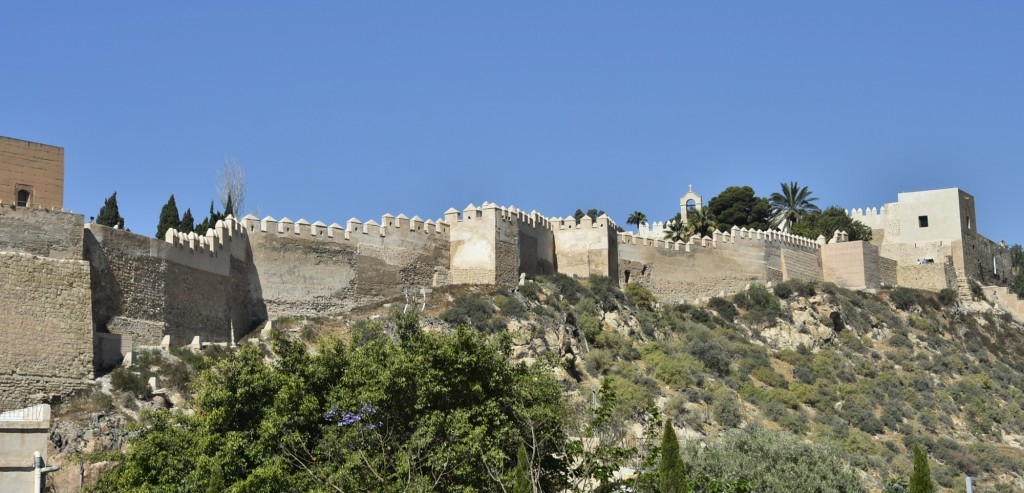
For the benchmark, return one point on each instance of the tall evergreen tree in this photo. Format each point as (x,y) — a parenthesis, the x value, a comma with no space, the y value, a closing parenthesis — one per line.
(921,478)
(168,218)
(521,482)
(229,207)
(187,222)
(109,215)
(671,471)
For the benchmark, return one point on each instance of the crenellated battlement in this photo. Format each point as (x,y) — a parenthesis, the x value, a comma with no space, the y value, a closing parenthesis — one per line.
(602,221)
(727,239)
(354,230)
(217,238)
(872,217)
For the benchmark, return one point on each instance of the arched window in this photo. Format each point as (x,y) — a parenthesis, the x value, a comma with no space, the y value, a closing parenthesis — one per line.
(23,196)
(691,206)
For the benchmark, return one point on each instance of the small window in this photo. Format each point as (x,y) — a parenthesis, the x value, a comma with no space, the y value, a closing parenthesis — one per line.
(23,196)
(968,223)
(922,221)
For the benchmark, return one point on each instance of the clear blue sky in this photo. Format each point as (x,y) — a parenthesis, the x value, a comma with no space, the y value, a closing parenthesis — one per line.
(341,109)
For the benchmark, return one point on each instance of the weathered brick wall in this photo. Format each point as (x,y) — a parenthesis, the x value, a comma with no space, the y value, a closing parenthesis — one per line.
(46,328)
(38,168)
(41,232)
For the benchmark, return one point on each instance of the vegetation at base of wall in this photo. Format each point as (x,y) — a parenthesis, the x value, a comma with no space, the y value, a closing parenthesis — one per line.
(124,380)
(899,368)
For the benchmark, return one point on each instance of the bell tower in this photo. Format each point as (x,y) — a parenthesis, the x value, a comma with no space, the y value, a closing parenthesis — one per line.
(691,202)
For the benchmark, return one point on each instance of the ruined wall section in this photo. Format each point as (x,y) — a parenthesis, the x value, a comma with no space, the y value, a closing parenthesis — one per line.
(300,268)
(46,328)
(981,259)
(704,267)
(586,246)
(42,232)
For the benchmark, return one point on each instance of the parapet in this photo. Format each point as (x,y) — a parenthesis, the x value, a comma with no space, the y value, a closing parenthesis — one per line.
(727,239)
(354,230)
(217,238)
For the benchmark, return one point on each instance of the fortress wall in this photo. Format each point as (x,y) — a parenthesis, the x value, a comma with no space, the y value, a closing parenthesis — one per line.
(888,271)
(299,268)
(42,232)
(536,242)
(705,267)
(799,264)
(913,253)
(852,264)
(46,328)
(183,286)
(931,277)
(473,245)
(981,259)
(586,246)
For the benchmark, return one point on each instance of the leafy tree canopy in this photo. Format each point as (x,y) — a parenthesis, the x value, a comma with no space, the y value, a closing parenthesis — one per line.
(425,412)
(790,205)
(827,222)
(739,206)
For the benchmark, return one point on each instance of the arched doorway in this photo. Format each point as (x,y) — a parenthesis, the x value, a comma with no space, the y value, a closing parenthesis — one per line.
(23,198)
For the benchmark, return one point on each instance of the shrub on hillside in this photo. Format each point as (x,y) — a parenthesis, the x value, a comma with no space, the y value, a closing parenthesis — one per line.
(473,312)
(124,380)
(903,298)
(567,287)
(640,296)
(762,307)
(794,287)
(774,462)
(724,308)
(606,292)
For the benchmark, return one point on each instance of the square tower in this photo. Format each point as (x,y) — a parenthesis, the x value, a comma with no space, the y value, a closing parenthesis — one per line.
(31,174)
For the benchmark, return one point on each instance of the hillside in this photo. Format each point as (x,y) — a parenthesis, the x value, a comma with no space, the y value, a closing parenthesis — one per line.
(864,375)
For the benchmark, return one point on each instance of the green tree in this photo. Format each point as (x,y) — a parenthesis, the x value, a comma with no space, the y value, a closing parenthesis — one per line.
(672,470)
(826,223)
(921,478)
(425,412)
(209,221)
(636,218)
(521,481)
(739,206)
(788,206)
(229,206)
(700,222)
(168,218)
(675,229)
(187,222)
(109,215)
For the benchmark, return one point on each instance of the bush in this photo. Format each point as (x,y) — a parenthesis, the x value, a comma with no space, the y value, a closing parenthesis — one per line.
(123,380)
(640,296)
(977,292)
(530,291)
(726,410)
(787,289)
(724,308)
(567,287)
(607,293)
(903,298)
(774,462)
(715,357)
(511,306)
(473,312)
(762,306)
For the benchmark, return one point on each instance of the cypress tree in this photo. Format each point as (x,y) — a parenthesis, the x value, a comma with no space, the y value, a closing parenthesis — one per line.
(521,482)
(921,479)
(671,471)
(109,215)
(229,207)
(187,222)
(168,218)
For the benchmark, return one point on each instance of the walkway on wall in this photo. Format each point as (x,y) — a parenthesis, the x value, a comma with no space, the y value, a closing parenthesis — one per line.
(1004,299)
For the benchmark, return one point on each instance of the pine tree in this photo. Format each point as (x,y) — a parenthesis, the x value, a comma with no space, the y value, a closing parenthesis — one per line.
(921,479)
(521,482)
(671,471)
(168,218)
(109,215)
(187,222)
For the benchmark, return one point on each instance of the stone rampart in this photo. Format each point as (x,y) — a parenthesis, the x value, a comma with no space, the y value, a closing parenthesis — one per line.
(704,267)
(930,277)
(183,286)
(586,246)
(852,264)
(300,268)
(46,328)
(42,232)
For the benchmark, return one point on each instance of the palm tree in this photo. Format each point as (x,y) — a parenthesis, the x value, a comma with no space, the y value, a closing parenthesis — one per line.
(790,205)
(675,229)
(637,218)
(699,222)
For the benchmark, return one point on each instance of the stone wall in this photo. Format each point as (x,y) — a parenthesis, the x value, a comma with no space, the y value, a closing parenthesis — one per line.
(182,286)
(37,168)
(930,277)
(586,246)
(41,232)
(799,264)
(311,269)
(46,328)
(853,264)
(704,267)
(472,245)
